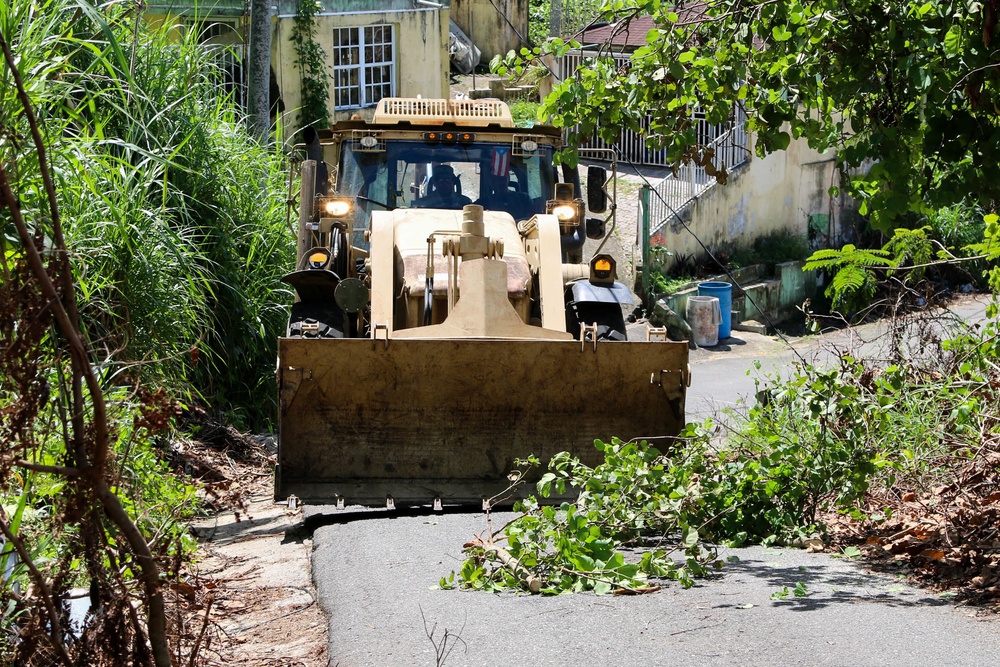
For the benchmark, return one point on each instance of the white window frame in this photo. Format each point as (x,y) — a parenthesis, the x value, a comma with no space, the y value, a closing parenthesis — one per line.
(362,67)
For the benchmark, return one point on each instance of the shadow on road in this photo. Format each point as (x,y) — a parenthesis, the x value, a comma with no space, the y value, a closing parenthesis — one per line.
(826,585)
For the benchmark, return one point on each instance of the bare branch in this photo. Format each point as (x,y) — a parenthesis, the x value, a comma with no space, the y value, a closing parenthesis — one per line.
(55,470)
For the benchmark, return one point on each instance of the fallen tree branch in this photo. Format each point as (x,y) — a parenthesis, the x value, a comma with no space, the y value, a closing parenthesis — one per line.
(532,581)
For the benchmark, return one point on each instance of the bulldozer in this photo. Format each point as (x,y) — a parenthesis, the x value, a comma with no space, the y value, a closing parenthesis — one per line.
(446,325)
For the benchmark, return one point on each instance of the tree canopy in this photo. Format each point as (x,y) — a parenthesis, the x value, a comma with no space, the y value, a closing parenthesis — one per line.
(908,84)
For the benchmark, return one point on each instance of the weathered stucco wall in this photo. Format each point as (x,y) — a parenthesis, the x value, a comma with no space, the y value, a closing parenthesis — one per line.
(774,194)
(421,55)
(486,26)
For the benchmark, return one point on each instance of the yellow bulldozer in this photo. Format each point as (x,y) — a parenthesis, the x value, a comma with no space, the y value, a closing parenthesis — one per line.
(446,324)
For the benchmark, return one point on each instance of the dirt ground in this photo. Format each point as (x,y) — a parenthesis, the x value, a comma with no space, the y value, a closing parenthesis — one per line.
(249,592)
(264,611)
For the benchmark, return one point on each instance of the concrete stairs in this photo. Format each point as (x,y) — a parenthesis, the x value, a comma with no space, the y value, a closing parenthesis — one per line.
(762,295)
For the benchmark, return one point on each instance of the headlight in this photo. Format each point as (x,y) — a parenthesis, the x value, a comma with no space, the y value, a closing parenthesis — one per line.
(565,212)
(337,208)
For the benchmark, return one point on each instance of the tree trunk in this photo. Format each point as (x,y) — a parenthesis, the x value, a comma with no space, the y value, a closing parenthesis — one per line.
(259,69)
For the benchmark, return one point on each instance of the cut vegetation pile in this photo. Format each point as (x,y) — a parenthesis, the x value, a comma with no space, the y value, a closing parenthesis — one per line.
(899,453)
(948,536)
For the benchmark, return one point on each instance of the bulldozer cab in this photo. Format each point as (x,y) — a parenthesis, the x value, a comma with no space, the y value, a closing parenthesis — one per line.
(410,173)
(445,325)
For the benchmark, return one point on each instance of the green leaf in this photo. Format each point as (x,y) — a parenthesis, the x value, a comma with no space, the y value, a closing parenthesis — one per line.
(781,33)
(953,40)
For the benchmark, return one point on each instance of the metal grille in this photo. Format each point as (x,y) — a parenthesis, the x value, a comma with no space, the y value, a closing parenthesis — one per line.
(393,110)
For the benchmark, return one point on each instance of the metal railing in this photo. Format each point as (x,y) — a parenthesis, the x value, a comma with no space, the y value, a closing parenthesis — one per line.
(731,148)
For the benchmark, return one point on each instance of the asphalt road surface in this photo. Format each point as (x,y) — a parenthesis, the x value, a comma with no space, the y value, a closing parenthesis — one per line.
(377,580)
(377,573)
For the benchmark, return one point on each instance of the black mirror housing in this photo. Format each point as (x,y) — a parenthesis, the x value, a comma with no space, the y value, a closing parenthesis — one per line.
(596,228)
(597,198)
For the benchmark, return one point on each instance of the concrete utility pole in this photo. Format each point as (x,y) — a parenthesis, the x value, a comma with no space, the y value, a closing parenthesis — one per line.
(259,69)
(555,18)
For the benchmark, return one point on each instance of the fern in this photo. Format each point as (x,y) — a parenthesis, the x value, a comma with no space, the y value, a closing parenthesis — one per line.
(911,246)
(853,284)
(852,287)
(848,255)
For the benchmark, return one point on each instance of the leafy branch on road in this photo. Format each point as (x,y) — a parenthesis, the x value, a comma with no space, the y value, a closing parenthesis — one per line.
(896,456)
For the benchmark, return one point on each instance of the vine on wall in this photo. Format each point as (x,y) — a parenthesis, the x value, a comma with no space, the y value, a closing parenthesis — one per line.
(312,65)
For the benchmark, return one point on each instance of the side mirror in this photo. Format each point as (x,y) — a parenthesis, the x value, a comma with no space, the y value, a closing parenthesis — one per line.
(596,228)
(597,198)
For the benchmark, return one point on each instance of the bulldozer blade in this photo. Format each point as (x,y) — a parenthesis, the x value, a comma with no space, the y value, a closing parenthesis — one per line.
(417,421)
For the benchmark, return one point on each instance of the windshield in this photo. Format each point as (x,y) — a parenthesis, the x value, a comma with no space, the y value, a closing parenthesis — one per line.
(415,174)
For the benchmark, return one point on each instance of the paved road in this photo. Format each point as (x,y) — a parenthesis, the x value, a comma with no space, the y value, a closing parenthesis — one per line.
(376,576)
(376,579)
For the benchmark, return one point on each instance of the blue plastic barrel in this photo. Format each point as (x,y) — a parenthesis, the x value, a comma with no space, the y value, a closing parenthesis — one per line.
(724,293)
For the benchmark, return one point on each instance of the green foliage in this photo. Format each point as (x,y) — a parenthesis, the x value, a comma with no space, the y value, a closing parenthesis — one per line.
(578,546)
(800,591)
(772,249)
(538,20)
(907,84)
(174,215)
(175,237)
(665,284)
(311,59)
(957,226)
(855,281)
(990,247)
(759,489)
(868,425)
(574,16)
(818,440)
(525,113)
(159,501)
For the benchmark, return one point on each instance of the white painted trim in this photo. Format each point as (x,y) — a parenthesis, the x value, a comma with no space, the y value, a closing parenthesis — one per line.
(377,11)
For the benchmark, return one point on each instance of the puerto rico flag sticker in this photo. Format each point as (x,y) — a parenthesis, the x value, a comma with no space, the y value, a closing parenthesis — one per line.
(500,164)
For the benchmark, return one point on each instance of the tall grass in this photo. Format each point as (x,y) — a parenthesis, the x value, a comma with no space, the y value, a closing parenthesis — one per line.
(174,215)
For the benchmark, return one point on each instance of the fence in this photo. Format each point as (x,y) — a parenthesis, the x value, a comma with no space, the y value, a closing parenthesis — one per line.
(731,147)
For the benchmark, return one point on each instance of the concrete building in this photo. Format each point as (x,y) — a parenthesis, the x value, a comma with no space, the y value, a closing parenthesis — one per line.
(494,26)
(373,48)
